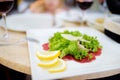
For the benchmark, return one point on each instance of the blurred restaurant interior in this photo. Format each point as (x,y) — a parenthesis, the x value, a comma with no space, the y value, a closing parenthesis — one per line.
(26,24)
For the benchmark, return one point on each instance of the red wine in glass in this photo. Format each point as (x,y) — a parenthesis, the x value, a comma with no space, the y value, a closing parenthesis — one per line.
(85,4)
(6,5)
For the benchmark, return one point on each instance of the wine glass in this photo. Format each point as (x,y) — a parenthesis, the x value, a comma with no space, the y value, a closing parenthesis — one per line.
(5,7)
(84,5)
(70,4)
(104,7)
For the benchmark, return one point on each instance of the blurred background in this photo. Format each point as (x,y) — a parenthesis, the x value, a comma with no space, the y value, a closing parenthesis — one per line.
(29,14)
(62,13)
(40,6)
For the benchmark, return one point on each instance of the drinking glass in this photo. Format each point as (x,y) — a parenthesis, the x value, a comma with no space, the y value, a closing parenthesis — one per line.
(70,4)
(103,5)
(5,7)
(84,5)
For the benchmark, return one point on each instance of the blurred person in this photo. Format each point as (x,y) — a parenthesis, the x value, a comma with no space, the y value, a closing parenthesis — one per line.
(52,6)
(37,6)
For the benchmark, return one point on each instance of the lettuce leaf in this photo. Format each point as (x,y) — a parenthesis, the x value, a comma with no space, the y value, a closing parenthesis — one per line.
(67,47)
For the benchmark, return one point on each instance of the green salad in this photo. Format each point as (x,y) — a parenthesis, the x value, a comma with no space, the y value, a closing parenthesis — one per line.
(74,43)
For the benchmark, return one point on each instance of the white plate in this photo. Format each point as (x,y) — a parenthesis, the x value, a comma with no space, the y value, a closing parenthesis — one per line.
(108,60)
(23,22)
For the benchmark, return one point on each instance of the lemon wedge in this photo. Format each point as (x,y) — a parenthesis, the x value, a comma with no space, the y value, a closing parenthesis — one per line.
(59,67)
(48,63)
(48,55)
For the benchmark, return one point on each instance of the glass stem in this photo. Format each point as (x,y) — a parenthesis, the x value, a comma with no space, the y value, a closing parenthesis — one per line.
(5,35)
(83,16)
(54,19)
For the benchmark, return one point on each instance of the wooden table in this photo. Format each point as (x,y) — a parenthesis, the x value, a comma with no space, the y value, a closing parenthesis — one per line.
(16,57)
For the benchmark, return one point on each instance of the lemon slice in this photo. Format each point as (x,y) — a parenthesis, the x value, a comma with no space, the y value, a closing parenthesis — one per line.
(59,67)
(48,55)
(48,63)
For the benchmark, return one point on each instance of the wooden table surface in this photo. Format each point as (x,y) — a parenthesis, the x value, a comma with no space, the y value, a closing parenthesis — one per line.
(16,57)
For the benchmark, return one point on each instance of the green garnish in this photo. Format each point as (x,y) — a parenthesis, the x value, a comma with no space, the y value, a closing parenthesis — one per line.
(78,46)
